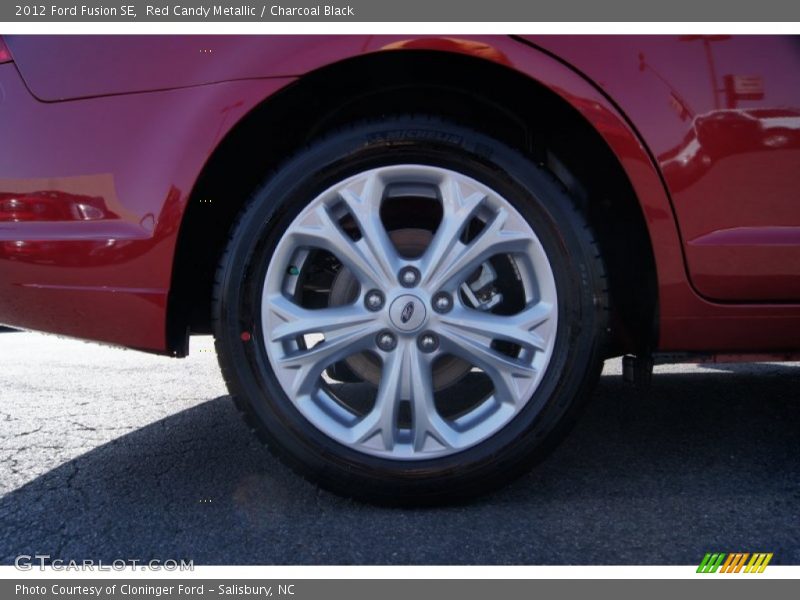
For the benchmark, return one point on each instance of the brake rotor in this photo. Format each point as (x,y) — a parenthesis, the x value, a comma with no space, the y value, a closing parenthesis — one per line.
(411,243)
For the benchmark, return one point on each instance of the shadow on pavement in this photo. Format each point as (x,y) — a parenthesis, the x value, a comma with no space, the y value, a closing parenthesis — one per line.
(703,462)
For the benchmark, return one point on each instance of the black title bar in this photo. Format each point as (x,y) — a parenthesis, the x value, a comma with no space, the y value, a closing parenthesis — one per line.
(440,11)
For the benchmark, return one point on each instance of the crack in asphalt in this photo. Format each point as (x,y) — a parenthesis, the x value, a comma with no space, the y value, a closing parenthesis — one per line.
(128,455)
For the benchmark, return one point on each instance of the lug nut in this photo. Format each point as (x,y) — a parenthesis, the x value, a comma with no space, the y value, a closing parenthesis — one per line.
(374,300)
(386,341)
(428,342)
(442,302)
(409,276)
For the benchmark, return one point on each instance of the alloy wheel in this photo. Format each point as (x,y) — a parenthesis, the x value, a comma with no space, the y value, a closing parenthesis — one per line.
(403,341)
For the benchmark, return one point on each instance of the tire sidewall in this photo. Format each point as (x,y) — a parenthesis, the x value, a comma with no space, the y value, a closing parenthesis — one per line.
(529,188)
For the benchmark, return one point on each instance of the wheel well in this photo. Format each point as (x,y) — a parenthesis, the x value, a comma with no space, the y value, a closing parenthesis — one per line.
(506,105)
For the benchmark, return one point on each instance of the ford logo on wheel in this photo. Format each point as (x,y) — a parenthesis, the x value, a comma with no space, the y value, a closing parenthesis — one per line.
(408,312)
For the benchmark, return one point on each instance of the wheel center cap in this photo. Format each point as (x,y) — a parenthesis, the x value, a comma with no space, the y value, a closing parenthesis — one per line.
(407,312)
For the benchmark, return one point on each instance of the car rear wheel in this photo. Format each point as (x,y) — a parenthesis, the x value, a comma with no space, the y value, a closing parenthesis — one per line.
(410,311)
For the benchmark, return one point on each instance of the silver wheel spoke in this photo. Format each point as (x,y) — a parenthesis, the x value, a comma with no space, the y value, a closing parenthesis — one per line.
(346,330)
(347,341)
(407,376)
(294,320)
(519,328)
(497,237)
(320,230)
(427,424)
(375,244)
(382,419)
(457,213)
(474,346)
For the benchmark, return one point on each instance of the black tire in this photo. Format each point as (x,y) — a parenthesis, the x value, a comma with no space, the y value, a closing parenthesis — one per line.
(570,375)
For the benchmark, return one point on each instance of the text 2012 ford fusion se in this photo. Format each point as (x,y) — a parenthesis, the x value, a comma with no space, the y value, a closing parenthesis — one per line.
(414,252)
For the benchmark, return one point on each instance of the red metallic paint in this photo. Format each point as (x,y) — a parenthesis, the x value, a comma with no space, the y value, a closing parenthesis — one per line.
(721,114)
(5,55)
(107,279)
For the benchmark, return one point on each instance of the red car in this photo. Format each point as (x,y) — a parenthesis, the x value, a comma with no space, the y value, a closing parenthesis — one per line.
(414,252)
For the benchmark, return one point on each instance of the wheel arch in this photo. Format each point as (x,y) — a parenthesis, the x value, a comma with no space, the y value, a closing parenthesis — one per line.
(528,99)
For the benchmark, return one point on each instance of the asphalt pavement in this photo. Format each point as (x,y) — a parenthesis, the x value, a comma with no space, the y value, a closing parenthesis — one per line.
(113,454)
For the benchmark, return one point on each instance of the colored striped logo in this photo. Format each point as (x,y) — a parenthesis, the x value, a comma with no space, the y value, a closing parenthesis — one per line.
(734,562)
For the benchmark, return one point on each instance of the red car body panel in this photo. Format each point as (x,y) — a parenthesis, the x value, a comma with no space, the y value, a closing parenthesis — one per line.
(104,275)
(721,115)
(119,129)
(105,65)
